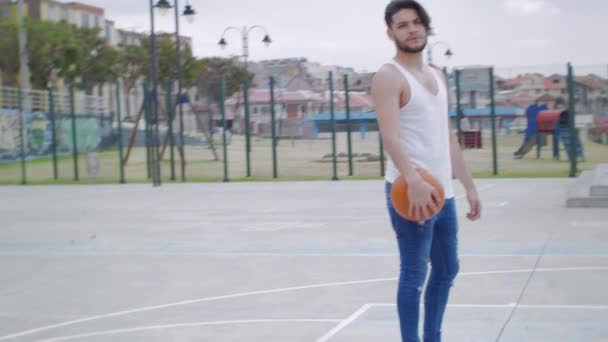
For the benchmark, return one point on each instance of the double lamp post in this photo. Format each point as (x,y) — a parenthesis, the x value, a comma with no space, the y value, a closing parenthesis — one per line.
(164,6)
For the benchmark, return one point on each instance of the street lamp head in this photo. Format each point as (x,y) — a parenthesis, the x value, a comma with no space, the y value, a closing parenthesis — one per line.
(222,43)
(267,40)
(163,7)
(449,53)
(189,13)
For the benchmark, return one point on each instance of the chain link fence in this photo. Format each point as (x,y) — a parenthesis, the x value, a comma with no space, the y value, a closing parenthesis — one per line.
(534,121)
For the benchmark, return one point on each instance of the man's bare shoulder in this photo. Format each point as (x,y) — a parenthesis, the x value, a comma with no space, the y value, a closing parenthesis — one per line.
(387,72)
(387,76)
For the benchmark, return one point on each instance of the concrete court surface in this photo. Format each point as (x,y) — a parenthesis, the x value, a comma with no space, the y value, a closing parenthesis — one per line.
(287,261)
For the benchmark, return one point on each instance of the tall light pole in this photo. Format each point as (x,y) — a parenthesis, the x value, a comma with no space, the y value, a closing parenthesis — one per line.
(448,52)
(153,98)
(23,56)
(245,31)
(24,84)
(189,12)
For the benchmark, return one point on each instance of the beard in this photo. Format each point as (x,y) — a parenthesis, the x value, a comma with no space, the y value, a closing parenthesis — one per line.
(410,49)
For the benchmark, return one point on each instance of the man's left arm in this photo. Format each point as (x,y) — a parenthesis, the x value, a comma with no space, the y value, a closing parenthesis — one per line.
(462,173)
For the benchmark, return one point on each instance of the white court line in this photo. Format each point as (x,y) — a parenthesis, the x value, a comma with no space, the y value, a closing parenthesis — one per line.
(341,326)
(376,255)
(370,255)
(344,323)
(328,255)
(532,255)
(589,224)
(288,289)
(502,204)
(575,307)
(183,325)
(366,307)
(383,255)
(186,302)
(511,305)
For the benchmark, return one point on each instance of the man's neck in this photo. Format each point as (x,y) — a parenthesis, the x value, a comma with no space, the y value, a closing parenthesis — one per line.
(412,61)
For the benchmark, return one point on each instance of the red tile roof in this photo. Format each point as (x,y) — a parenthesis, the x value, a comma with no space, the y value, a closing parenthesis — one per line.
(549,84)
(356,100)
(263,96)
(519,80)
(86,8)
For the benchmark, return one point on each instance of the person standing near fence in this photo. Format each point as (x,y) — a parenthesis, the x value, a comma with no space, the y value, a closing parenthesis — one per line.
(412,107)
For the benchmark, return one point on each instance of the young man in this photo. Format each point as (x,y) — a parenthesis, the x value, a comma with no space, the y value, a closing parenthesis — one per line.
(412,106)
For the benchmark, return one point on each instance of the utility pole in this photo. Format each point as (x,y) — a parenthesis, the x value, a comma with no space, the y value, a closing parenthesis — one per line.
(24,69)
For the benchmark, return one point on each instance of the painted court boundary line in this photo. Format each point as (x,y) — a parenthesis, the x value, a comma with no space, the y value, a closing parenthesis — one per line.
(182,325)
(280,290)
(324,255)
(343,324)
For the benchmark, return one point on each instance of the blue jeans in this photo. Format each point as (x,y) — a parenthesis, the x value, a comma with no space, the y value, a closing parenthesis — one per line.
(435,241)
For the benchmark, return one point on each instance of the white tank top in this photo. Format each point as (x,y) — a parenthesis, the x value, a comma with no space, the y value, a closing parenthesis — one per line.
(424,131)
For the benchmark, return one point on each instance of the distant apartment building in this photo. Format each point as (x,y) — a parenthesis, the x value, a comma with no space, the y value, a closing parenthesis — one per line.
(536,85)
(185,42)
(75,13)
(299,74)
(289,105)
(291,109)
(83,15)
(288,73)
(591,91)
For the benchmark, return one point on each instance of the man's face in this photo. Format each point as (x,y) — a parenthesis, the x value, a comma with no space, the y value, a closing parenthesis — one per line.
(408,31)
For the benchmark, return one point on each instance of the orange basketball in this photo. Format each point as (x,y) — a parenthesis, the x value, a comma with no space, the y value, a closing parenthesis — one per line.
(401,201)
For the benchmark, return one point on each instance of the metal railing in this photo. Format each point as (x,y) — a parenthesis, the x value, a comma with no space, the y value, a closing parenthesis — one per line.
(39,101)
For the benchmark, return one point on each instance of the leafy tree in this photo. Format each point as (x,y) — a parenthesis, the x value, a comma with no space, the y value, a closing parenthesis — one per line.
(167,59)
(58,50)
(209,72)
(89,61)
(9,58)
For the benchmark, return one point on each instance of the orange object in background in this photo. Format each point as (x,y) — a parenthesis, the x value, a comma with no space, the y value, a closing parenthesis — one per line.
(401,201)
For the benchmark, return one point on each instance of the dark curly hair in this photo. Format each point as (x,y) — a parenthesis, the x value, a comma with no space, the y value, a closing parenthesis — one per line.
(397,5)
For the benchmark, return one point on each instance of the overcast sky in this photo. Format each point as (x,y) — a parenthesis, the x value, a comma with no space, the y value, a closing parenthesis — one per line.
(505,33)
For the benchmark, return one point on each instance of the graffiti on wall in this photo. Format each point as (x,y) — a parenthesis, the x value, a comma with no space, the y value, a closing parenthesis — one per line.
(91,132)
(9,134)
(88,134)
